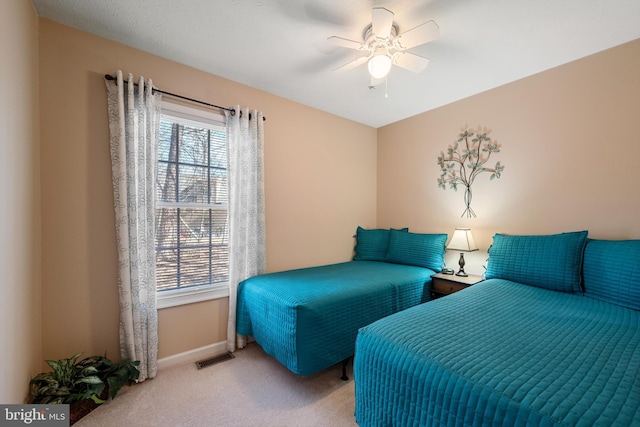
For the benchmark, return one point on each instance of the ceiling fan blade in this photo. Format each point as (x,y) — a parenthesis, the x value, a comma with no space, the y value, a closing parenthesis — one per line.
(381,22)
(342,42)
(421,34)
(410,62)
(353,64)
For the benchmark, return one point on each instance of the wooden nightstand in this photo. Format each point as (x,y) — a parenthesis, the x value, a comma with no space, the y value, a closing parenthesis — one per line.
(445,284)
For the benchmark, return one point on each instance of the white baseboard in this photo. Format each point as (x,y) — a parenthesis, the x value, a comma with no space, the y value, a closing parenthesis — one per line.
(193,355)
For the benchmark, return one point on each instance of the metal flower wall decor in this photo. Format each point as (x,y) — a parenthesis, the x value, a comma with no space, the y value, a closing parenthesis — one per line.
(465,160)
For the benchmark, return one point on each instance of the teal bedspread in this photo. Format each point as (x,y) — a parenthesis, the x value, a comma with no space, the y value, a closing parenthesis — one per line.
(308,318)
(501,354)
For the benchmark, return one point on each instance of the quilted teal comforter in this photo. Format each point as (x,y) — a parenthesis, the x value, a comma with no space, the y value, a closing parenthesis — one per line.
(501,354)
(308,318)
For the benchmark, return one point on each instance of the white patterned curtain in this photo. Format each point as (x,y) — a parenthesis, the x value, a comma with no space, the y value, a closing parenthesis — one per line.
(247,247)
(133,125)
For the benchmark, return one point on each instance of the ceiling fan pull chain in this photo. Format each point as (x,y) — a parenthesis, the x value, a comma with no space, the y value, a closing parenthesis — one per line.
(386,87)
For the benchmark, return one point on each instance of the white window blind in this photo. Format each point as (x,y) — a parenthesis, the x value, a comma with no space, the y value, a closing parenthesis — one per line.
(192,227)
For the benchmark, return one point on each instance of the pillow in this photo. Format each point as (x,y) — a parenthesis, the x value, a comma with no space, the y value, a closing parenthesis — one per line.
(422,250)
(371,245)
(549,261)
(612,271)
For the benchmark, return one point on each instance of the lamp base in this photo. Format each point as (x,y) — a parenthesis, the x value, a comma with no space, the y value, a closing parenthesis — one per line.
(461,263)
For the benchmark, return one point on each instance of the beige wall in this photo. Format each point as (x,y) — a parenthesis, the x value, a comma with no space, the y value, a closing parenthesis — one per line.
(320,185)
(20,319)
(570,147)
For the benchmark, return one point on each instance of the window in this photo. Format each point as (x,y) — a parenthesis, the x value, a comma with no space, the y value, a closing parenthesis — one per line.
(192,227)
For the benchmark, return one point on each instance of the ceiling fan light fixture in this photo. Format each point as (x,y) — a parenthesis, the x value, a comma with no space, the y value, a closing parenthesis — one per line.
(383,47)
(379,65)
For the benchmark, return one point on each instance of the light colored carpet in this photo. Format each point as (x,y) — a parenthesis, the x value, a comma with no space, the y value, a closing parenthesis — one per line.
(251,390)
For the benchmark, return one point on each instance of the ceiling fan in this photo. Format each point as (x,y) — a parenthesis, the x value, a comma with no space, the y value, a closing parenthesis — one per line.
(383,47)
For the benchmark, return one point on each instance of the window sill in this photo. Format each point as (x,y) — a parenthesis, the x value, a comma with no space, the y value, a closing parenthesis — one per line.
(191,295)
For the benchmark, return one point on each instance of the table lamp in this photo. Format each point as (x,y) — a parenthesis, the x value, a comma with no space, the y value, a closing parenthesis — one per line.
(462,240)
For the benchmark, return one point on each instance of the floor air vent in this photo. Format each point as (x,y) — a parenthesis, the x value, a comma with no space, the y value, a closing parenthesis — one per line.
(213,360)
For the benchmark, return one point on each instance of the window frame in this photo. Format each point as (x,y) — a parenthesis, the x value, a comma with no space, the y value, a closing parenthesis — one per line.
(196,117)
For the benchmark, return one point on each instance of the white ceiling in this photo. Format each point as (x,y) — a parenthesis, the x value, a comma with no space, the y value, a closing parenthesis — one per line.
(280,46)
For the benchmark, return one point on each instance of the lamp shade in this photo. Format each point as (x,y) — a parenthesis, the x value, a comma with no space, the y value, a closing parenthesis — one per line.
(462,240)
(379,66)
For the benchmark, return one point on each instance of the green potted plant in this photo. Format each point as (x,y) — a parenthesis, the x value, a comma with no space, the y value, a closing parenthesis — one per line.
(83,384)
(113,374)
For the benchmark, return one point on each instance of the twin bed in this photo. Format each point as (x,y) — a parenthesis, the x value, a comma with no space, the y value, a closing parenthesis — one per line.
(308,318)
(527,347)
(551,338)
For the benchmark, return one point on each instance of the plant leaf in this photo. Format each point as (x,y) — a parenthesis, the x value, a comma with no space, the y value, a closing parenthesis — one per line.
(97,400)
(89,370)
(93,379)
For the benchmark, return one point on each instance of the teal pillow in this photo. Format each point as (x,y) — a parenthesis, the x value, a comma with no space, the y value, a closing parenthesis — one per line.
(547,261)
(612,271)
(372,245)
(422,250)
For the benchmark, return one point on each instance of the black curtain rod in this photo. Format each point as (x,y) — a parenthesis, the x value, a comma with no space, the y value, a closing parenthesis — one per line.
(155,89)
